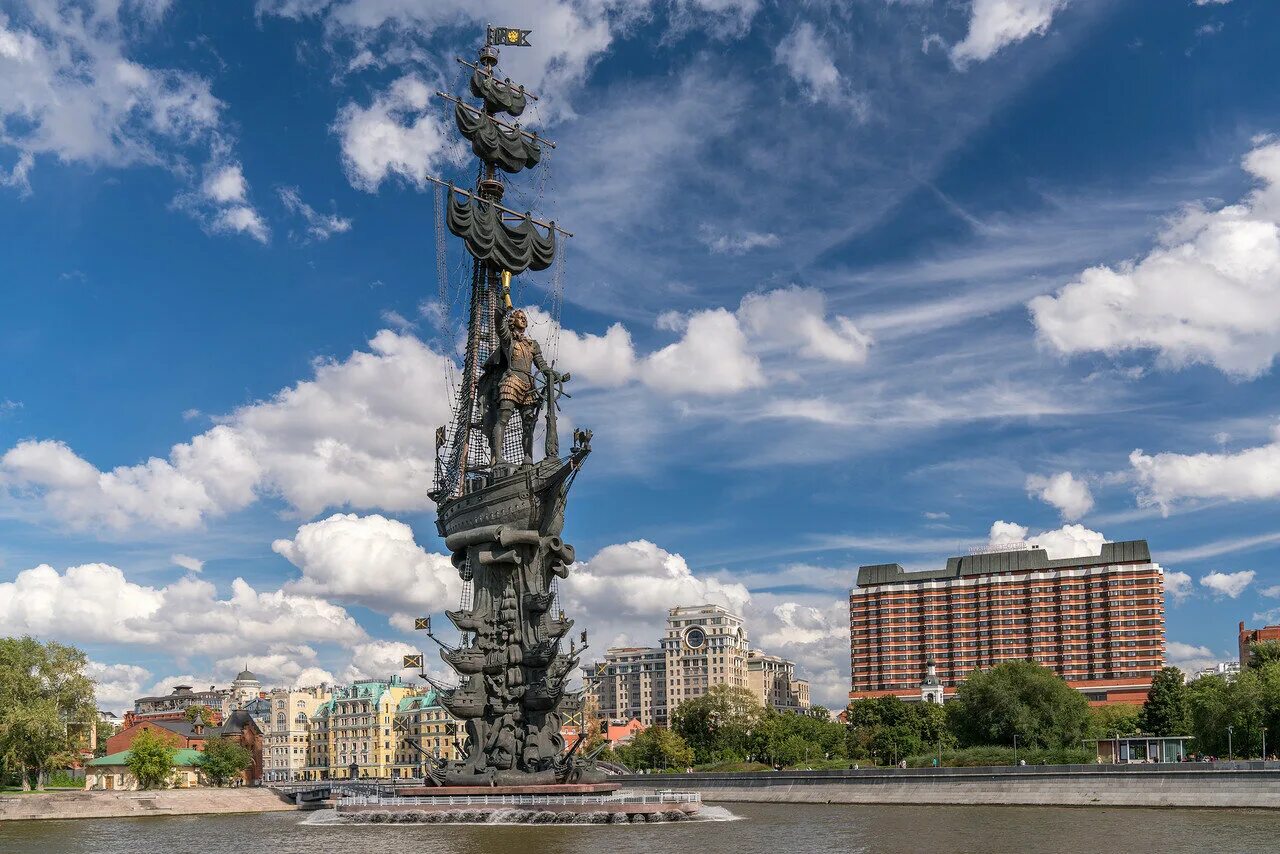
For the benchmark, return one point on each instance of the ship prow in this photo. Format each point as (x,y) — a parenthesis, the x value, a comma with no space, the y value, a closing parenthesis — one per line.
(530,497)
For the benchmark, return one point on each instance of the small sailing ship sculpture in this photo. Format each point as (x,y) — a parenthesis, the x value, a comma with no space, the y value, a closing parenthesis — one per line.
(500,511)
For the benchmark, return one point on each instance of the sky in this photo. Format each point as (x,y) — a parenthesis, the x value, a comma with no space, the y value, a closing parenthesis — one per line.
(850,283)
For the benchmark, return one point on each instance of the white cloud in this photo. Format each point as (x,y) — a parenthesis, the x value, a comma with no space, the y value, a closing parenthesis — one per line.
(319,226)
(607,360)
(1177,585)
(284,665)
(72,92)
(116,685)
(1063,491)
(1209,293)
(381,659)
(723,243)
(96,603)
(1188,657)
(1230,584)
(795,320)
(711,358)
(371,561)
(995,24)
(225,184)
(187,562)
(350,436)
(807,57)
(1165,479)
(570,35)
(1065,542)
(623,592)
(1273,591)
(398,134)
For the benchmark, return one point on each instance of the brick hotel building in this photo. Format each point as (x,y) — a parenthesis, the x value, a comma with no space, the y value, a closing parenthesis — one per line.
(1097,621)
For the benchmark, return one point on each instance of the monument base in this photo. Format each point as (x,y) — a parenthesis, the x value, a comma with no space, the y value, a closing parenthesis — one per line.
(590,803)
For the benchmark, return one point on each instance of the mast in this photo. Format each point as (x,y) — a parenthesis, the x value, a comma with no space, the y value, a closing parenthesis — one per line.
(502,243)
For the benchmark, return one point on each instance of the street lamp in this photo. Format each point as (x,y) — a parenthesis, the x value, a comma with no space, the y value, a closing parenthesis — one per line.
(1229,731)
(1015,748)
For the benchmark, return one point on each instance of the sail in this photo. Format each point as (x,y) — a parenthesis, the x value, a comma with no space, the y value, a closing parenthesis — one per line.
(509,150)
(510,247)
(498,97)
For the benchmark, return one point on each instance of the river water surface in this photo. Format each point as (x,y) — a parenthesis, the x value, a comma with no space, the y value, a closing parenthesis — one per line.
(748,829)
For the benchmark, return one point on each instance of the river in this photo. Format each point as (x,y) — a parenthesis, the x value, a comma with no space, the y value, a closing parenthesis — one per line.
(748,829)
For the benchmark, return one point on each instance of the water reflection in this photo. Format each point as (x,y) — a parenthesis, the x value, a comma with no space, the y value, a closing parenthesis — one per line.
(766,829)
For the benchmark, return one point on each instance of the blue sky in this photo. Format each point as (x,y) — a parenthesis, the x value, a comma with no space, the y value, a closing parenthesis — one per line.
(850,283)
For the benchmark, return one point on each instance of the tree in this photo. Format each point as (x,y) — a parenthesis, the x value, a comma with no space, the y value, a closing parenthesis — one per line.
(1118,719)
(46,706)
(1263,652)
(886,729)
(151,760)
(656,748)
(199,714)
(1019,698)
(719,724)
(786,738)
(1166,711)
(223,759)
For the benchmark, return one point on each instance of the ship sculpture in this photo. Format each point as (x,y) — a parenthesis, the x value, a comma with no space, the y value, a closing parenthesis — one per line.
(500,510)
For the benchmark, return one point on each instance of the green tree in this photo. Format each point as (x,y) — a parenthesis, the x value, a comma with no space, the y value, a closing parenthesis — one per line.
(1019,698)
(199,714)
(1263,652)
(886,729)
(46,706)
(223,759)
(151,760)
(656,748)
(719,725)
(1121,718)
(1166,711)
(783,738)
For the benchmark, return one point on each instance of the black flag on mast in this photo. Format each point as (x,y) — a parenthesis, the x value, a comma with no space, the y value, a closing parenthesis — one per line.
(509,37)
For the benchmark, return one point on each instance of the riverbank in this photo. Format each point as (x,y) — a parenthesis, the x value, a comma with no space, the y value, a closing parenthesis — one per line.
(94,804)
(1226,785)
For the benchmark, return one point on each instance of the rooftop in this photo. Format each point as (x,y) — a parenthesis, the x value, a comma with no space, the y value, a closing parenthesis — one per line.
(1030,560)
(183,757)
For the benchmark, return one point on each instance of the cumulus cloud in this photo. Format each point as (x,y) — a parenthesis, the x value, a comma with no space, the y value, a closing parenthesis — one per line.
(1229,584)
(807,57)
(398,134)
(283,665)
(607,360)
(1188,657)
(1063,491)
(371,561)
(1065,542)
(350,436)
(1208,294)
(1177,585)
(1167,478)
(711,358)
(115,686)
(720,352)
(995,24)
(73,92)
(96,603)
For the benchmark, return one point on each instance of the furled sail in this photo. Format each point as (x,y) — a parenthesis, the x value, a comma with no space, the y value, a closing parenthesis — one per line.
(499,97)
(509,150)
(516,248)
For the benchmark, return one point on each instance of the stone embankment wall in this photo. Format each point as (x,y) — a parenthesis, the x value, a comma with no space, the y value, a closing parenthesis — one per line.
(1224,785)
(47,805)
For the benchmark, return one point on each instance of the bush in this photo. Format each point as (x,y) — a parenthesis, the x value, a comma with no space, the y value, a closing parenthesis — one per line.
(972,757)
(65,780)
